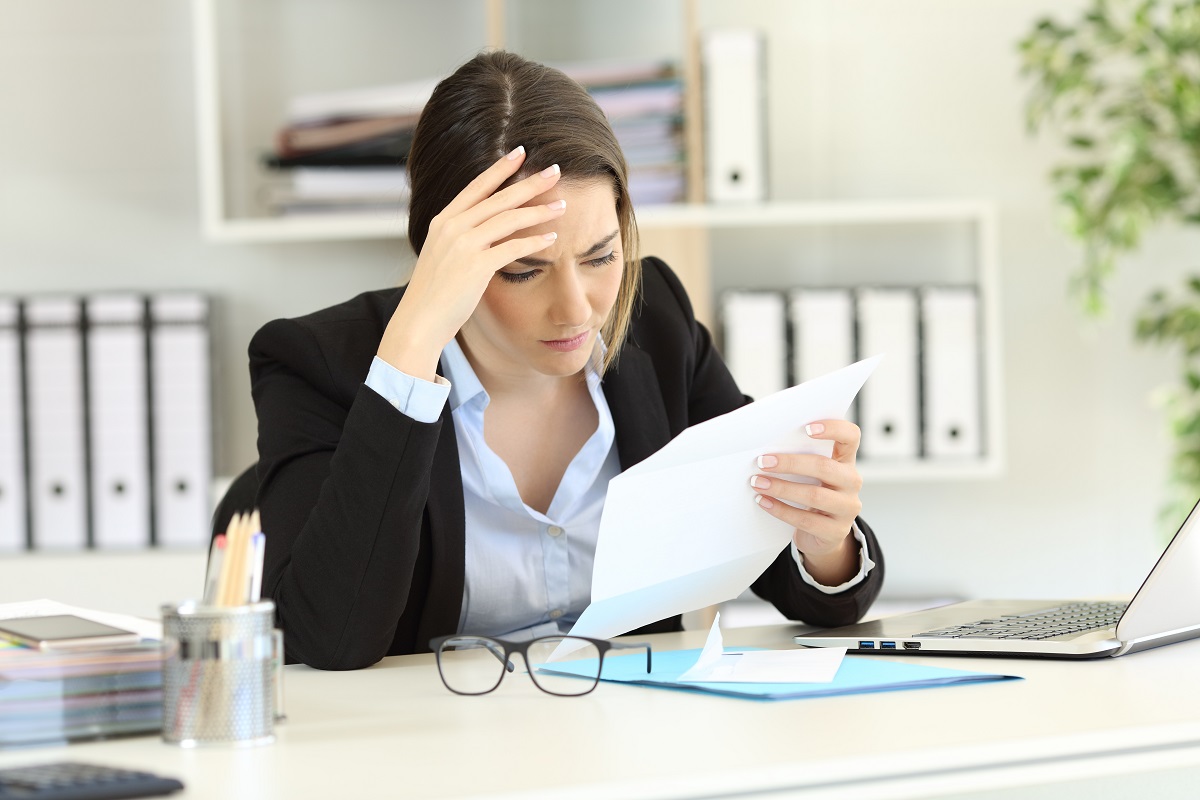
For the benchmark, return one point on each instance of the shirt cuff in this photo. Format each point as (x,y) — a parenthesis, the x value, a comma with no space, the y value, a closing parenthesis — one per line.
(864,560)
(413,397)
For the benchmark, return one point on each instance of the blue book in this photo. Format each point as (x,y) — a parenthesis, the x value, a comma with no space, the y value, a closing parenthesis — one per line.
(857,675)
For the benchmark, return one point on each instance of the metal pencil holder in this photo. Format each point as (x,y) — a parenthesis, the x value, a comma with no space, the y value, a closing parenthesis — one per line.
(220,673)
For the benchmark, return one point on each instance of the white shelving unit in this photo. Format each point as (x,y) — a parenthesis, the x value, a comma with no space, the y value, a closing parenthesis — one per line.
(683,234)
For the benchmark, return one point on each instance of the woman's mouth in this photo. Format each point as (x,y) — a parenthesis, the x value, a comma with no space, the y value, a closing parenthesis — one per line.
(566,345)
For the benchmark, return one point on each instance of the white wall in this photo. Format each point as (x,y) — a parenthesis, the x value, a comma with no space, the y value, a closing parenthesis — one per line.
(923,99)
(870,99)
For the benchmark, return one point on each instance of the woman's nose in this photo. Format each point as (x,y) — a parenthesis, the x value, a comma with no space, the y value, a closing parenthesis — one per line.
(571,307)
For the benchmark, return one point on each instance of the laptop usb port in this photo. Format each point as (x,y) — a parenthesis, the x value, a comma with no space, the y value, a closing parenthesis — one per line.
(866,645)
(887,645)
(912,645)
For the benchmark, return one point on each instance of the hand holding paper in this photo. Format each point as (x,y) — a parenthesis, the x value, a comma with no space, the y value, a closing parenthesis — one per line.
(708,542)
(823,510)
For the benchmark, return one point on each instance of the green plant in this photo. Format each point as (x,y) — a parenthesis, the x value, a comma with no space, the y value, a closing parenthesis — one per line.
(1122,84)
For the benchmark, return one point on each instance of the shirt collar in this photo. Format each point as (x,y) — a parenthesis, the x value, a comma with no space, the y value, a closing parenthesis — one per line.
(464,383)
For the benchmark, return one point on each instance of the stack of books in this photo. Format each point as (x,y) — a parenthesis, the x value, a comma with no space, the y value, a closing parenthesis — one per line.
(643,101)
(51,698)
(345,152)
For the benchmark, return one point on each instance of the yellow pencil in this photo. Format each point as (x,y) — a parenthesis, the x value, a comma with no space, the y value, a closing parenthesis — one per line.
(233,551)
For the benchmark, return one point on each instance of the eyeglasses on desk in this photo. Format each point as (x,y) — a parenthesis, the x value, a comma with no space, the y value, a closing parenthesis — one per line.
(474,665)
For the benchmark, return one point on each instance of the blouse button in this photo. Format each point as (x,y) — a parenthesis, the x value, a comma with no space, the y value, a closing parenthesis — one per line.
(555,531)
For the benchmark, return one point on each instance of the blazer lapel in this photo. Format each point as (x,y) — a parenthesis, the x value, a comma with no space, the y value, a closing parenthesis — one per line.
(635,400)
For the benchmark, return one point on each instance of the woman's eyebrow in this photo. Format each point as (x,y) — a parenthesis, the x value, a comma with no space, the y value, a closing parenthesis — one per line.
(591,251)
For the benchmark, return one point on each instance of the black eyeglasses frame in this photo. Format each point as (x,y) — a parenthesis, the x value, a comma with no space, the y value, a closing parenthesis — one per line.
(510,647)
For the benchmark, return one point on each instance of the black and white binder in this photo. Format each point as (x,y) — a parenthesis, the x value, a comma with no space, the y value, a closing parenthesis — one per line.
(952,405)
(822,331)
(888,404)
(12,431)
(181,413)
(754,325)
(732,72)
(118,416)
(55,394)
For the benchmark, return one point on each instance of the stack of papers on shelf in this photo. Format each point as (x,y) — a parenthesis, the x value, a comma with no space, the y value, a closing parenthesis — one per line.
(57,697)
(344,152)
(643,101)
(339,190)
(362,136)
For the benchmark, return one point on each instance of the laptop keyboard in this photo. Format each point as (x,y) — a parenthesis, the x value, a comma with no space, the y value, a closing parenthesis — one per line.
(1047,623)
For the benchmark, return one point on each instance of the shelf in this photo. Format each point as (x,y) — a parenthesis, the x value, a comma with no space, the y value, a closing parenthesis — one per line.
(242,74)
(307,229)
(654,217)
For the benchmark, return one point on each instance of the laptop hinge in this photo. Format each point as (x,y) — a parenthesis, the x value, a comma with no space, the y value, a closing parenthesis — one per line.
(1157,640)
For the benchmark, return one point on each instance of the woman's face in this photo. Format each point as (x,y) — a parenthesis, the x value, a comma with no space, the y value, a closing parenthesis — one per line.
(541,315)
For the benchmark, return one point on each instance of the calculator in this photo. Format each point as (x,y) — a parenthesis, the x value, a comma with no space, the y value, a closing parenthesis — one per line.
(72,780)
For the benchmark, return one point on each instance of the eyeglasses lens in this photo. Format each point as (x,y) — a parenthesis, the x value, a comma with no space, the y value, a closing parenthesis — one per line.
(579,657)
(471,665)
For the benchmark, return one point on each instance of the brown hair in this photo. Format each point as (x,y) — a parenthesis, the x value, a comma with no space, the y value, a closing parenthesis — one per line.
(490,105)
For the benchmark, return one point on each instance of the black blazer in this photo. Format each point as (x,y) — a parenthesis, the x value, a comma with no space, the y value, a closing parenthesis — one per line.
(364,505)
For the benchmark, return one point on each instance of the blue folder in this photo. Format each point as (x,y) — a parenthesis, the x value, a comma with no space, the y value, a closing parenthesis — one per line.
(857,675)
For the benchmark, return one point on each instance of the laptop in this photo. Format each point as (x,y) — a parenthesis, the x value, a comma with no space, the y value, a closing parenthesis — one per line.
(1166,609)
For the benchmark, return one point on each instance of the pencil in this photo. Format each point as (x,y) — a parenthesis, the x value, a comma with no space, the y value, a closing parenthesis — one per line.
(222,577)
(233,550)
(237,581)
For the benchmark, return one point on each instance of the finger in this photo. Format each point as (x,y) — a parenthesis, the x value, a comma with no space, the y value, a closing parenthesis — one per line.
(509,251)
(486,183)
(828,471)
(511,197)
(845,435)
(507,223)
(827,530)
(843,505)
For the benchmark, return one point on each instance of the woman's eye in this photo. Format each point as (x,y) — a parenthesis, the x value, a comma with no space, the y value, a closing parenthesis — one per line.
(604,260)
(517,277)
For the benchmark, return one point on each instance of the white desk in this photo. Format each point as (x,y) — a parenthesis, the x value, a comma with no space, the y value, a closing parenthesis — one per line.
(394,731)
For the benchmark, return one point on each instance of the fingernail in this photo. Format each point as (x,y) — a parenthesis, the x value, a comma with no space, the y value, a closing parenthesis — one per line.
(516,153)
(814,428)
(759,482)
(763,500)
(550,237)
(766,462)
(550,171)
(557,204)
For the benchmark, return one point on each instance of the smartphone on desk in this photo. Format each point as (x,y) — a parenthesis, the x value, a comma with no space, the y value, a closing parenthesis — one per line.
(64,632)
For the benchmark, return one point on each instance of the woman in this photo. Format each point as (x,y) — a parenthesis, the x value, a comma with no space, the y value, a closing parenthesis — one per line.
(433,459)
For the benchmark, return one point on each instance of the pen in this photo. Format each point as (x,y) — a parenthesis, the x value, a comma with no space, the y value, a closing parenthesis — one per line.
(257,551)
(258,547)
(239,580)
